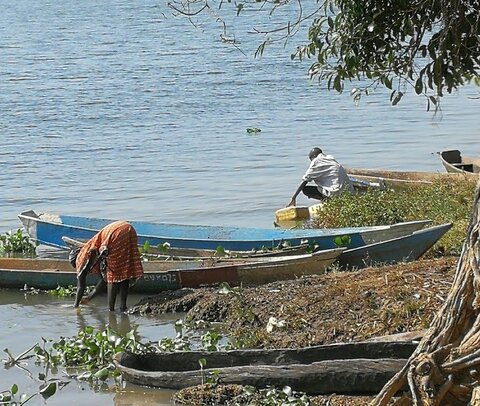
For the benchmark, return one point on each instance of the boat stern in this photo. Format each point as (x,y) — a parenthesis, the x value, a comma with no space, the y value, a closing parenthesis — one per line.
(29,222)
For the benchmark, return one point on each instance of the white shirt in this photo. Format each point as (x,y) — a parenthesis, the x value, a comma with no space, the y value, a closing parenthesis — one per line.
(328,174)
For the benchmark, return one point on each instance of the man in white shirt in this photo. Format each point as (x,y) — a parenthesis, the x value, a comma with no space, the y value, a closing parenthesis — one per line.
(330,177)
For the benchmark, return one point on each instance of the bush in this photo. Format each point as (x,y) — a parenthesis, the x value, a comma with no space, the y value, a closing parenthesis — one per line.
(16,243)
(444,201)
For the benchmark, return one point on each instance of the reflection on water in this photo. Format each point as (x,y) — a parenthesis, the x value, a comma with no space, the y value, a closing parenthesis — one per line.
(132,395)
(27,318)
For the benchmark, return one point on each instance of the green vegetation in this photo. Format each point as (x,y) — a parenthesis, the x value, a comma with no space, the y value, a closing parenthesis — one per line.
(47,388)
(236,395)
(8,397)
(69,291)
(429,47)
(16,243)
(91,352)
(88,356)
(443,201)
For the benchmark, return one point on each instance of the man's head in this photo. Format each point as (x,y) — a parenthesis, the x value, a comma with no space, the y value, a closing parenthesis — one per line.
(314,152)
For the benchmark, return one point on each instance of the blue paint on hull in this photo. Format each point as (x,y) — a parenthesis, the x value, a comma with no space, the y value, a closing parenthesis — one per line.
(189,236)
(408,248)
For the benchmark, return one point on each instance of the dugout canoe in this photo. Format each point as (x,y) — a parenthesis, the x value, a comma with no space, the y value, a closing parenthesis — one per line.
(400,179)
(49,229)
(158,276)
(402,249)
(455,162)
(360,368)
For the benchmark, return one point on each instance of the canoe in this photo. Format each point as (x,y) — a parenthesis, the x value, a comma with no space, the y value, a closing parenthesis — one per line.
(407,176)
(171,275)
(402,249)
(455,162)
(362,367)
(49,229)
(193,253)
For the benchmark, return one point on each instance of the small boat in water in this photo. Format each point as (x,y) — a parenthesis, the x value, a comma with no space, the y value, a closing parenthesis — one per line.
(49,229)
(360,368)
(171,275)
(455,162)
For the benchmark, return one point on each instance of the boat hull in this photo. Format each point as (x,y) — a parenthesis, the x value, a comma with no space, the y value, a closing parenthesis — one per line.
(400,177)
(454,162)
(341,368)
(402,249)
(171,275)
(49,229)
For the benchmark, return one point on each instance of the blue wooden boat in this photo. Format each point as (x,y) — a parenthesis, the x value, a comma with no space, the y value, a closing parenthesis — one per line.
(160,275)
(401,249)
(49,229)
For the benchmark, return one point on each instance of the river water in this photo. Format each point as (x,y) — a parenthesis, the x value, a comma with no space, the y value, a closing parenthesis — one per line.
(117,109)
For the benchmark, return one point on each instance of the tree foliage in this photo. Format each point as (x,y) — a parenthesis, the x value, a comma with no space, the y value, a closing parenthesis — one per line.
(430,46)
(433,46)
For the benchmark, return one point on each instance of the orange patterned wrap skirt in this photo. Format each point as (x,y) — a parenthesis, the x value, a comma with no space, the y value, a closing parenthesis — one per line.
(123,259)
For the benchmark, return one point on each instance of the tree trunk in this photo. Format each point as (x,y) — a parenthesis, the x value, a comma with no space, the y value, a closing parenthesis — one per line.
(445,367)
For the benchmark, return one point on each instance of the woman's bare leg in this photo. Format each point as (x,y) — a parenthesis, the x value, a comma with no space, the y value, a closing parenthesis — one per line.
(123,288)
(112,289)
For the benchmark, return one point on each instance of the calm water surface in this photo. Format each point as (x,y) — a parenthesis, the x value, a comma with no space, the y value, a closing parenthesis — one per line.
(116,109)
(27,318)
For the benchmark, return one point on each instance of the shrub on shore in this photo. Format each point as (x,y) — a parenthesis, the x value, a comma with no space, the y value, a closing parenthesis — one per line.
(443,201)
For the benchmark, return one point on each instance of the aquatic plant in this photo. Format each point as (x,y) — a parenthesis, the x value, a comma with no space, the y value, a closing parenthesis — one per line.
(7,397)
(48,386)
(237,395)
(16,243)
(90,352)
(68,291)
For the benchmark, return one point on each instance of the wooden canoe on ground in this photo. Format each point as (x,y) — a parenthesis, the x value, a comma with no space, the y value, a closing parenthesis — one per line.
(49,229)
(455,162)
(362,367)
(402,249)
(170,275)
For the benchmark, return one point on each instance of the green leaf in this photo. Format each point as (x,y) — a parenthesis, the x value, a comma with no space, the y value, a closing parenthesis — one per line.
(220,251)
(418,86)
(101,374)
(330,22)
(342,240)
(48,390)
(146,246)
(202,362)
(387,82)
(392,95)
(397,98)
(337,85)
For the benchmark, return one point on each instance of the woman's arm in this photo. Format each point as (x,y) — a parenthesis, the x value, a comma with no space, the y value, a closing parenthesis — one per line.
(99,288)
(82,277)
